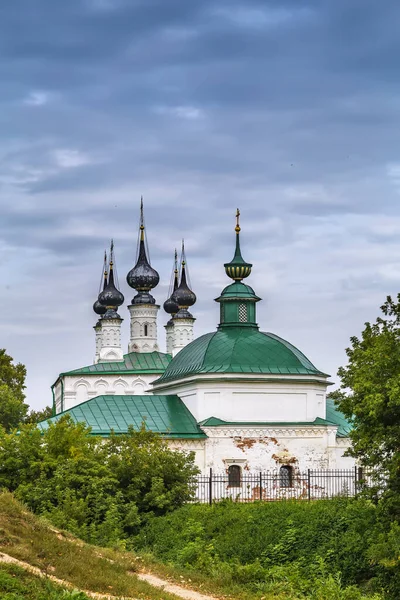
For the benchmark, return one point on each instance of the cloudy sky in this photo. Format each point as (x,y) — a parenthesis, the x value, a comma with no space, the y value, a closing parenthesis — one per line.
(289,109)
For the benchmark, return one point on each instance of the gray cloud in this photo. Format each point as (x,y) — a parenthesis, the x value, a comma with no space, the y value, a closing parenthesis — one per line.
(288,111)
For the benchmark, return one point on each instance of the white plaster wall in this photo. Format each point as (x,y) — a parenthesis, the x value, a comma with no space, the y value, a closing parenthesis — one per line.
(79,388)
(250,398)
(196,446)
(267,449)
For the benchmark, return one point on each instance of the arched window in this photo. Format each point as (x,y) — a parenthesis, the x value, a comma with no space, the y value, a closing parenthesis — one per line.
(234,476)
(146,330)
(286,476)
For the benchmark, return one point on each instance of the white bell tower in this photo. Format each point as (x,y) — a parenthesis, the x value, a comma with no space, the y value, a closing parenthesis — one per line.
(143,308)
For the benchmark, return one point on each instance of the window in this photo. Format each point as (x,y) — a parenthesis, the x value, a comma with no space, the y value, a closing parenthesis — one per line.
(146,330)
(242,313)
(286,476)
(222,313)
(234,476)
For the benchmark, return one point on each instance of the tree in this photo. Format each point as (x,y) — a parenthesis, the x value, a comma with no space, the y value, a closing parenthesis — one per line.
(35,416)
(12,375)
(12,384)
(372,376)
(100,489)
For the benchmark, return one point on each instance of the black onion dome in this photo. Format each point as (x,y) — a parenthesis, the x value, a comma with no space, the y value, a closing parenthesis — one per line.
(171,307)
(110,297)
(142,277)
(98,308)
(183,295)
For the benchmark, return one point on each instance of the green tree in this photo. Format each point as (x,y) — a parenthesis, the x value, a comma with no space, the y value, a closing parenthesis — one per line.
(35,416)
(12,384)
(100,489)
(370,397)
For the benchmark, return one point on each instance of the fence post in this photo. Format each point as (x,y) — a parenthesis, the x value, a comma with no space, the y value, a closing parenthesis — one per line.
(210,487)
(309,484)
(261,497)
(355,480)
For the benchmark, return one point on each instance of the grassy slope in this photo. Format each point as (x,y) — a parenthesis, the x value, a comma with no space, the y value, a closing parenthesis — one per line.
(28,538)
(17,584)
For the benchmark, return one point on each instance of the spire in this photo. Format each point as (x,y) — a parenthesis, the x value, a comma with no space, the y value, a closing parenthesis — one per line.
(238,268)
(183,295)
(238,300)
(142,277)
(170,306)
(111,298)
(98,308)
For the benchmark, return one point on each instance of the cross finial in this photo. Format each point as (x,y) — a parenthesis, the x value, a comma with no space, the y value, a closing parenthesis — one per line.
(237,228)
(141,219)
(176,260)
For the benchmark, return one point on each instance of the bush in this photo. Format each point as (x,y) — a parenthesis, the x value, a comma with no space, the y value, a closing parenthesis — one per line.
(98,489)
(318,550)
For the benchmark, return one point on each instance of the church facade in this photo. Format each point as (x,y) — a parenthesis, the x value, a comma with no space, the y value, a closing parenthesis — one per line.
(241,399)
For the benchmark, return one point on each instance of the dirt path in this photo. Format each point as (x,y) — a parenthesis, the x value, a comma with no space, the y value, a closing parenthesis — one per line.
(171,588)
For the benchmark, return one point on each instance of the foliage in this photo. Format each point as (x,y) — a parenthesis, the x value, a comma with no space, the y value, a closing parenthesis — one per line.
(320,550)
(35,416)
(32,540)
(373,404)
(98,489)
(12,384)
(18,584)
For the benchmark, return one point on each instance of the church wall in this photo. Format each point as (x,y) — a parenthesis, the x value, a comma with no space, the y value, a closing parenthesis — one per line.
(79,388)
(267,449)
(260,401)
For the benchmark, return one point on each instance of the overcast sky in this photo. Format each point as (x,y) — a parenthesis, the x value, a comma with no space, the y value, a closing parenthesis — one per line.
(289,109)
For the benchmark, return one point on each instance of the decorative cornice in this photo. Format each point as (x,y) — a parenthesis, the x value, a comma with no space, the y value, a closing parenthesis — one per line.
(269,432)
(244,378)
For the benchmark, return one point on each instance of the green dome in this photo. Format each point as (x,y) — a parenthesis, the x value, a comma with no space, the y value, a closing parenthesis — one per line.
(238,290)
(239,350)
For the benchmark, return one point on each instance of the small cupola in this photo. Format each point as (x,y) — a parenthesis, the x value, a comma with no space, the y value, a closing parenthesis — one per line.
(111,298)
(183,295)
(170,306)
(98,308)
(238,300)
(142,277)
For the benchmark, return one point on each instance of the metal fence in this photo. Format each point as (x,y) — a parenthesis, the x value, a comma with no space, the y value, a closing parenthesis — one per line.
(281,485)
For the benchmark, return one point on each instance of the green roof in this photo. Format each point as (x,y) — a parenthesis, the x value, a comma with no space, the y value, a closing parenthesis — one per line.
(335,416)
(238,290)
(166,415)
(215,422)
(239,350)
(134,362)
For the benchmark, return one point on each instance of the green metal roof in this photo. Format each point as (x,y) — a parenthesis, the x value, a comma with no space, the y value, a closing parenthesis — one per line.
(134,362)
(238,290)
(239,350)
(335,416)
(215,422)
(166,415)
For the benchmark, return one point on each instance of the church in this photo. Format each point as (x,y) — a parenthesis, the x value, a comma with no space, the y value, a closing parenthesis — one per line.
(243,400)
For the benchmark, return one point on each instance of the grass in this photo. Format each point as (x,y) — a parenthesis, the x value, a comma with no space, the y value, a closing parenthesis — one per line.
(30,539)
(18,584)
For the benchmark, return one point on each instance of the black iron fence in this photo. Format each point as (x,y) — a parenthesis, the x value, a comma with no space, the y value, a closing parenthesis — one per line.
(284,484)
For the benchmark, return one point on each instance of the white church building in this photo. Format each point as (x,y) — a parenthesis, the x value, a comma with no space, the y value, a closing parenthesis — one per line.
(241,399)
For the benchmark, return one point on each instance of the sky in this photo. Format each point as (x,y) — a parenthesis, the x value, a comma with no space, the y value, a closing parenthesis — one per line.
(288,109)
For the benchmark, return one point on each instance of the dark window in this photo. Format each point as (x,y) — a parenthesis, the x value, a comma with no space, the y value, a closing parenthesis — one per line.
(286,476)
(242,313)
(234,476)
(146,330)
(222,313)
